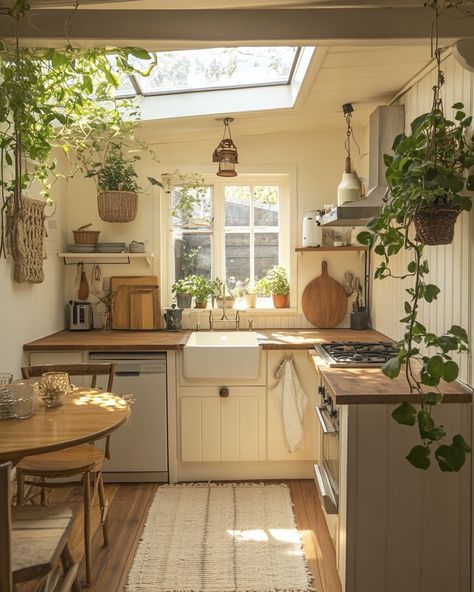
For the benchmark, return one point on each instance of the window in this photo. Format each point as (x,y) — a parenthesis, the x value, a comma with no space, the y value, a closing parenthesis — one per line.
(234,230)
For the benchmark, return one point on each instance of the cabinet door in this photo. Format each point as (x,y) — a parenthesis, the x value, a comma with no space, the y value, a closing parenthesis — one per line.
(277,446)
(215,428)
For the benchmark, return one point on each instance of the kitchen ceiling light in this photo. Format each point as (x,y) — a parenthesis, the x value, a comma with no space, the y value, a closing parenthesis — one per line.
(350,186)
(226,152)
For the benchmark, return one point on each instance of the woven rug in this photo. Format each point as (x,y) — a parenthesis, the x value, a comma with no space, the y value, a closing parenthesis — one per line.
(220,538)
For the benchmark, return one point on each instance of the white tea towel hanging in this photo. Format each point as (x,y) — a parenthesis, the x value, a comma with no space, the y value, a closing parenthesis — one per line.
(294,402)
(96,280)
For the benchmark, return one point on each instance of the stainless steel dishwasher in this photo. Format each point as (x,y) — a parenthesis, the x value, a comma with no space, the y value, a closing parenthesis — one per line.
(139,449)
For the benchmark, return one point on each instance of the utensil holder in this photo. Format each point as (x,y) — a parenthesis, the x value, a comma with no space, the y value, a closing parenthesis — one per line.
(359,320)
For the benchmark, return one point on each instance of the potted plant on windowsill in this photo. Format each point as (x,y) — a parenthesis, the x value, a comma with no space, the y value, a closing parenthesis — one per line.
(201,290)
(183,292)
(279,286)
(250,293)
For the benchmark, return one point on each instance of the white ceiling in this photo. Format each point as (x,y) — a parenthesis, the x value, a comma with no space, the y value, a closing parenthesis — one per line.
(363,76)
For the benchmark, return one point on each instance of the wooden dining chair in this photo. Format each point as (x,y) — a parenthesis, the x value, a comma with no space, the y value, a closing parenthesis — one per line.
(84,460)
(34,543)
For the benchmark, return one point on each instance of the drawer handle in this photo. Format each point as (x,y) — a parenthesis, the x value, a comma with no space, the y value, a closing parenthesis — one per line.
(223,391)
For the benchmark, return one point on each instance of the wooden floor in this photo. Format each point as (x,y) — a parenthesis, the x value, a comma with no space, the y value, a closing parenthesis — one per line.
(129,504)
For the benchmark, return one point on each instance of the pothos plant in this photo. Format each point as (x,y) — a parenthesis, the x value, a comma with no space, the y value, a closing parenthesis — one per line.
(45,96)
(429,165)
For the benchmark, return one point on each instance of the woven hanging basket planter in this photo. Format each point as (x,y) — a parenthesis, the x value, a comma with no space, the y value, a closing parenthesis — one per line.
(434,224)
(117,206)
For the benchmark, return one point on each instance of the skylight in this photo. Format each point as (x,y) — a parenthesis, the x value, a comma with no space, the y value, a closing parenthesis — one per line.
(213,69)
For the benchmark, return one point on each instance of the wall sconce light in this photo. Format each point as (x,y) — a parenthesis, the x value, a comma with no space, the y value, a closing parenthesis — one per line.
(226,152)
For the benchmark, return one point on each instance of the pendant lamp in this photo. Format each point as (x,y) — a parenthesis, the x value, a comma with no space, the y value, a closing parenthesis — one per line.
(226,152)
(350,188)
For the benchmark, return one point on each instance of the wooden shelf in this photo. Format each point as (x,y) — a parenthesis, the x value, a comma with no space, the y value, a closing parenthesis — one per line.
(321,249)
(95,257)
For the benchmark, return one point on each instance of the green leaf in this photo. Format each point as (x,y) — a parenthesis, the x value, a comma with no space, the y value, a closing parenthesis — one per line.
(431,292)
(470,183)
(364,238)
(418,457)
(411,267)
(154,181)
(450,457)
(138,52)
(433,398)
(458,105)
(392,367)
(428,379)
(459,441)
(451,371)
(435,366)
(428,429)
(405,414)
(407,307)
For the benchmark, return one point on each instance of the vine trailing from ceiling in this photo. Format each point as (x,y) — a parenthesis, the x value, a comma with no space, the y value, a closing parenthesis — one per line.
(430,167)
(64,99)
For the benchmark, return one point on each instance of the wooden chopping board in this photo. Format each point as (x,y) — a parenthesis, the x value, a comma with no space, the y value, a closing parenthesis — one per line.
(136,303)
(324,300)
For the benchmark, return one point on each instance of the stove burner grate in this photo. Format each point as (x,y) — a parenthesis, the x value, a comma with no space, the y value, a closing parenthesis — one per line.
(358,353)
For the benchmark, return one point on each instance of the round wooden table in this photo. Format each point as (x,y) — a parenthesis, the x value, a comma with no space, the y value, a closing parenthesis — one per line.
(85,415)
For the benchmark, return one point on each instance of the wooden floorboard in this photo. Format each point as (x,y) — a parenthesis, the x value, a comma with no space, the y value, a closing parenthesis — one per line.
(129,504)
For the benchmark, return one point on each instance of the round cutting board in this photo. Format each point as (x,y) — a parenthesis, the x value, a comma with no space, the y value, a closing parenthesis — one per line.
(324,300)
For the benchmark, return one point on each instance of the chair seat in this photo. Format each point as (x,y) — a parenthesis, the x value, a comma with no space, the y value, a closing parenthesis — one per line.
(70,461)
(38,536)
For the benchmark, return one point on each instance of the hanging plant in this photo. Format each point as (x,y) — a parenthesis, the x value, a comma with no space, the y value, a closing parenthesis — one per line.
(428,170)
(53,99)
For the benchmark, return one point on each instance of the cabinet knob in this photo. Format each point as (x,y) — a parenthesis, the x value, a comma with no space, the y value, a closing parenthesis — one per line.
(223,391)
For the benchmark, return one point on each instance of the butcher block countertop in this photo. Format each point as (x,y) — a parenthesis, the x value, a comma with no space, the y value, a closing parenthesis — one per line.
(369,385)
(167,340)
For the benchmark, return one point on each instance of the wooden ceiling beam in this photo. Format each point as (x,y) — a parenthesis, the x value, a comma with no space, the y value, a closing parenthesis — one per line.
(168,29)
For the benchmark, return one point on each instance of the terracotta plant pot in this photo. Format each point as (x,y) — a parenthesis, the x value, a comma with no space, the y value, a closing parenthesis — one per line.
(200,304)
(280,300)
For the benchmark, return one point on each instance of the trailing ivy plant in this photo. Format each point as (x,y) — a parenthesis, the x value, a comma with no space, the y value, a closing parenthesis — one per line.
(50,99)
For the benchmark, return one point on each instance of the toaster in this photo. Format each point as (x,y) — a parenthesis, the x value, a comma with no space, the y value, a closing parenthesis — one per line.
(79,316)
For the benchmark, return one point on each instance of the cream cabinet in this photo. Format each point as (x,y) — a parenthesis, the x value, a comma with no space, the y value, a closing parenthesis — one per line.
(276,440)
(222,428)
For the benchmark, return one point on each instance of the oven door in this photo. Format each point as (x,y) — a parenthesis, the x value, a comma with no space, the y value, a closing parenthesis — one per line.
(326,473)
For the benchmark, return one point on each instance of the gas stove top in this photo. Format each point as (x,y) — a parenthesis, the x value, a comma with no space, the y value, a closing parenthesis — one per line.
(356,353)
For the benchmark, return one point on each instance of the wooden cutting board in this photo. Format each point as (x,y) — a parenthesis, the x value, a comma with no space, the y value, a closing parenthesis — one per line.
(324,300)
(136,303)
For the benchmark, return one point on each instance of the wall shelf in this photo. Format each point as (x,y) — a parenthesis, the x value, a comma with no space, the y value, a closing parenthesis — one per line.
(323,249)
(105,258)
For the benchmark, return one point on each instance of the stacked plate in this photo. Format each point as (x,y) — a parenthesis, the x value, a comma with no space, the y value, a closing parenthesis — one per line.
(82,248)
(111,247)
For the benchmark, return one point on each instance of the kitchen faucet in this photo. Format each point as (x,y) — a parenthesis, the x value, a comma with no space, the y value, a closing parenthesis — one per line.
(224,316)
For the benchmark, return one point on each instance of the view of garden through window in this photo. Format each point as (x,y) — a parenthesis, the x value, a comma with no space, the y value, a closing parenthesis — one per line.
(216,68)
(249,231)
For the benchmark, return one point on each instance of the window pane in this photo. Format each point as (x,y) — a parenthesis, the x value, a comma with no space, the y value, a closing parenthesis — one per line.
(191,206)
(201,69)
(192,255)
(237,256)
(237,205)
(266,204)
(266,252)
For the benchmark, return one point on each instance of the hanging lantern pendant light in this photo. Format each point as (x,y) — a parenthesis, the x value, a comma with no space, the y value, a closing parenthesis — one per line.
(226,152)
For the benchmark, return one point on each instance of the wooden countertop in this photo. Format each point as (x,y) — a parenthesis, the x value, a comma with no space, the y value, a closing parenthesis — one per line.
(369,385)
(167,340)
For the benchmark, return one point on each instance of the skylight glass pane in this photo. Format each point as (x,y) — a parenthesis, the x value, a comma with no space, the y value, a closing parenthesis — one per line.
(217,68)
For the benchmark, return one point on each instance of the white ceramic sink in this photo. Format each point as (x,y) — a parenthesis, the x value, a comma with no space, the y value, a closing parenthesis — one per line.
(221,354)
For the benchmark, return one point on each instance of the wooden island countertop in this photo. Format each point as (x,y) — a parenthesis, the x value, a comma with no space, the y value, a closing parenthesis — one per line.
(168,340)
(354,386)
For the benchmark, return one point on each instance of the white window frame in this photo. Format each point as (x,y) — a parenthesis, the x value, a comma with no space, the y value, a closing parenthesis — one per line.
(284,177)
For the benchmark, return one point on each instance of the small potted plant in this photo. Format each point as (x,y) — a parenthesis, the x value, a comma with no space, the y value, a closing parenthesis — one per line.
(108,301)
(183,292)
(250,293)
(279,286)
(201,290)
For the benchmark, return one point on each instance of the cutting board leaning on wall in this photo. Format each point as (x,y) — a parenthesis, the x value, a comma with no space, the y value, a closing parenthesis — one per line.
(136,303)
(324,300)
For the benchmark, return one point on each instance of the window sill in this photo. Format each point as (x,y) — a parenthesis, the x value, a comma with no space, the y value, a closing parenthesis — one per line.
(187,312)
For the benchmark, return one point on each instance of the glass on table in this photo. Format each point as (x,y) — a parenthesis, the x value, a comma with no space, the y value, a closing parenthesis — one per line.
(54,386)
(25,395)
(5,378)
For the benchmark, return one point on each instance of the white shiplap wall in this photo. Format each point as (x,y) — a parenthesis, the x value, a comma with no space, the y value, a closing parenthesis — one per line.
(451,266)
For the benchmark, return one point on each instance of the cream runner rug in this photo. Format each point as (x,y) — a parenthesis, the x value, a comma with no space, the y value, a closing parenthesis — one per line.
(220,538)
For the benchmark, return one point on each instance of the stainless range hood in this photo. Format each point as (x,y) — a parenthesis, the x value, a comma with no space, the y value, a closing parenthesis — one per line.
(385,123)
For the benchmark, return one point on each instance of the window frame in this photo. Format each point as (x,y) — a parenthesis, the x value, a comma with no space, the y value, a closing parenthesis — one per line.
(284,177)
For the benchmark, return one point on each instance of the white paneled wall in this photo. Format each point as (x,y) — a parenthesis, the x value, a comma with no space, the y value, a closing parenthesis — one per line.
(451,266)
